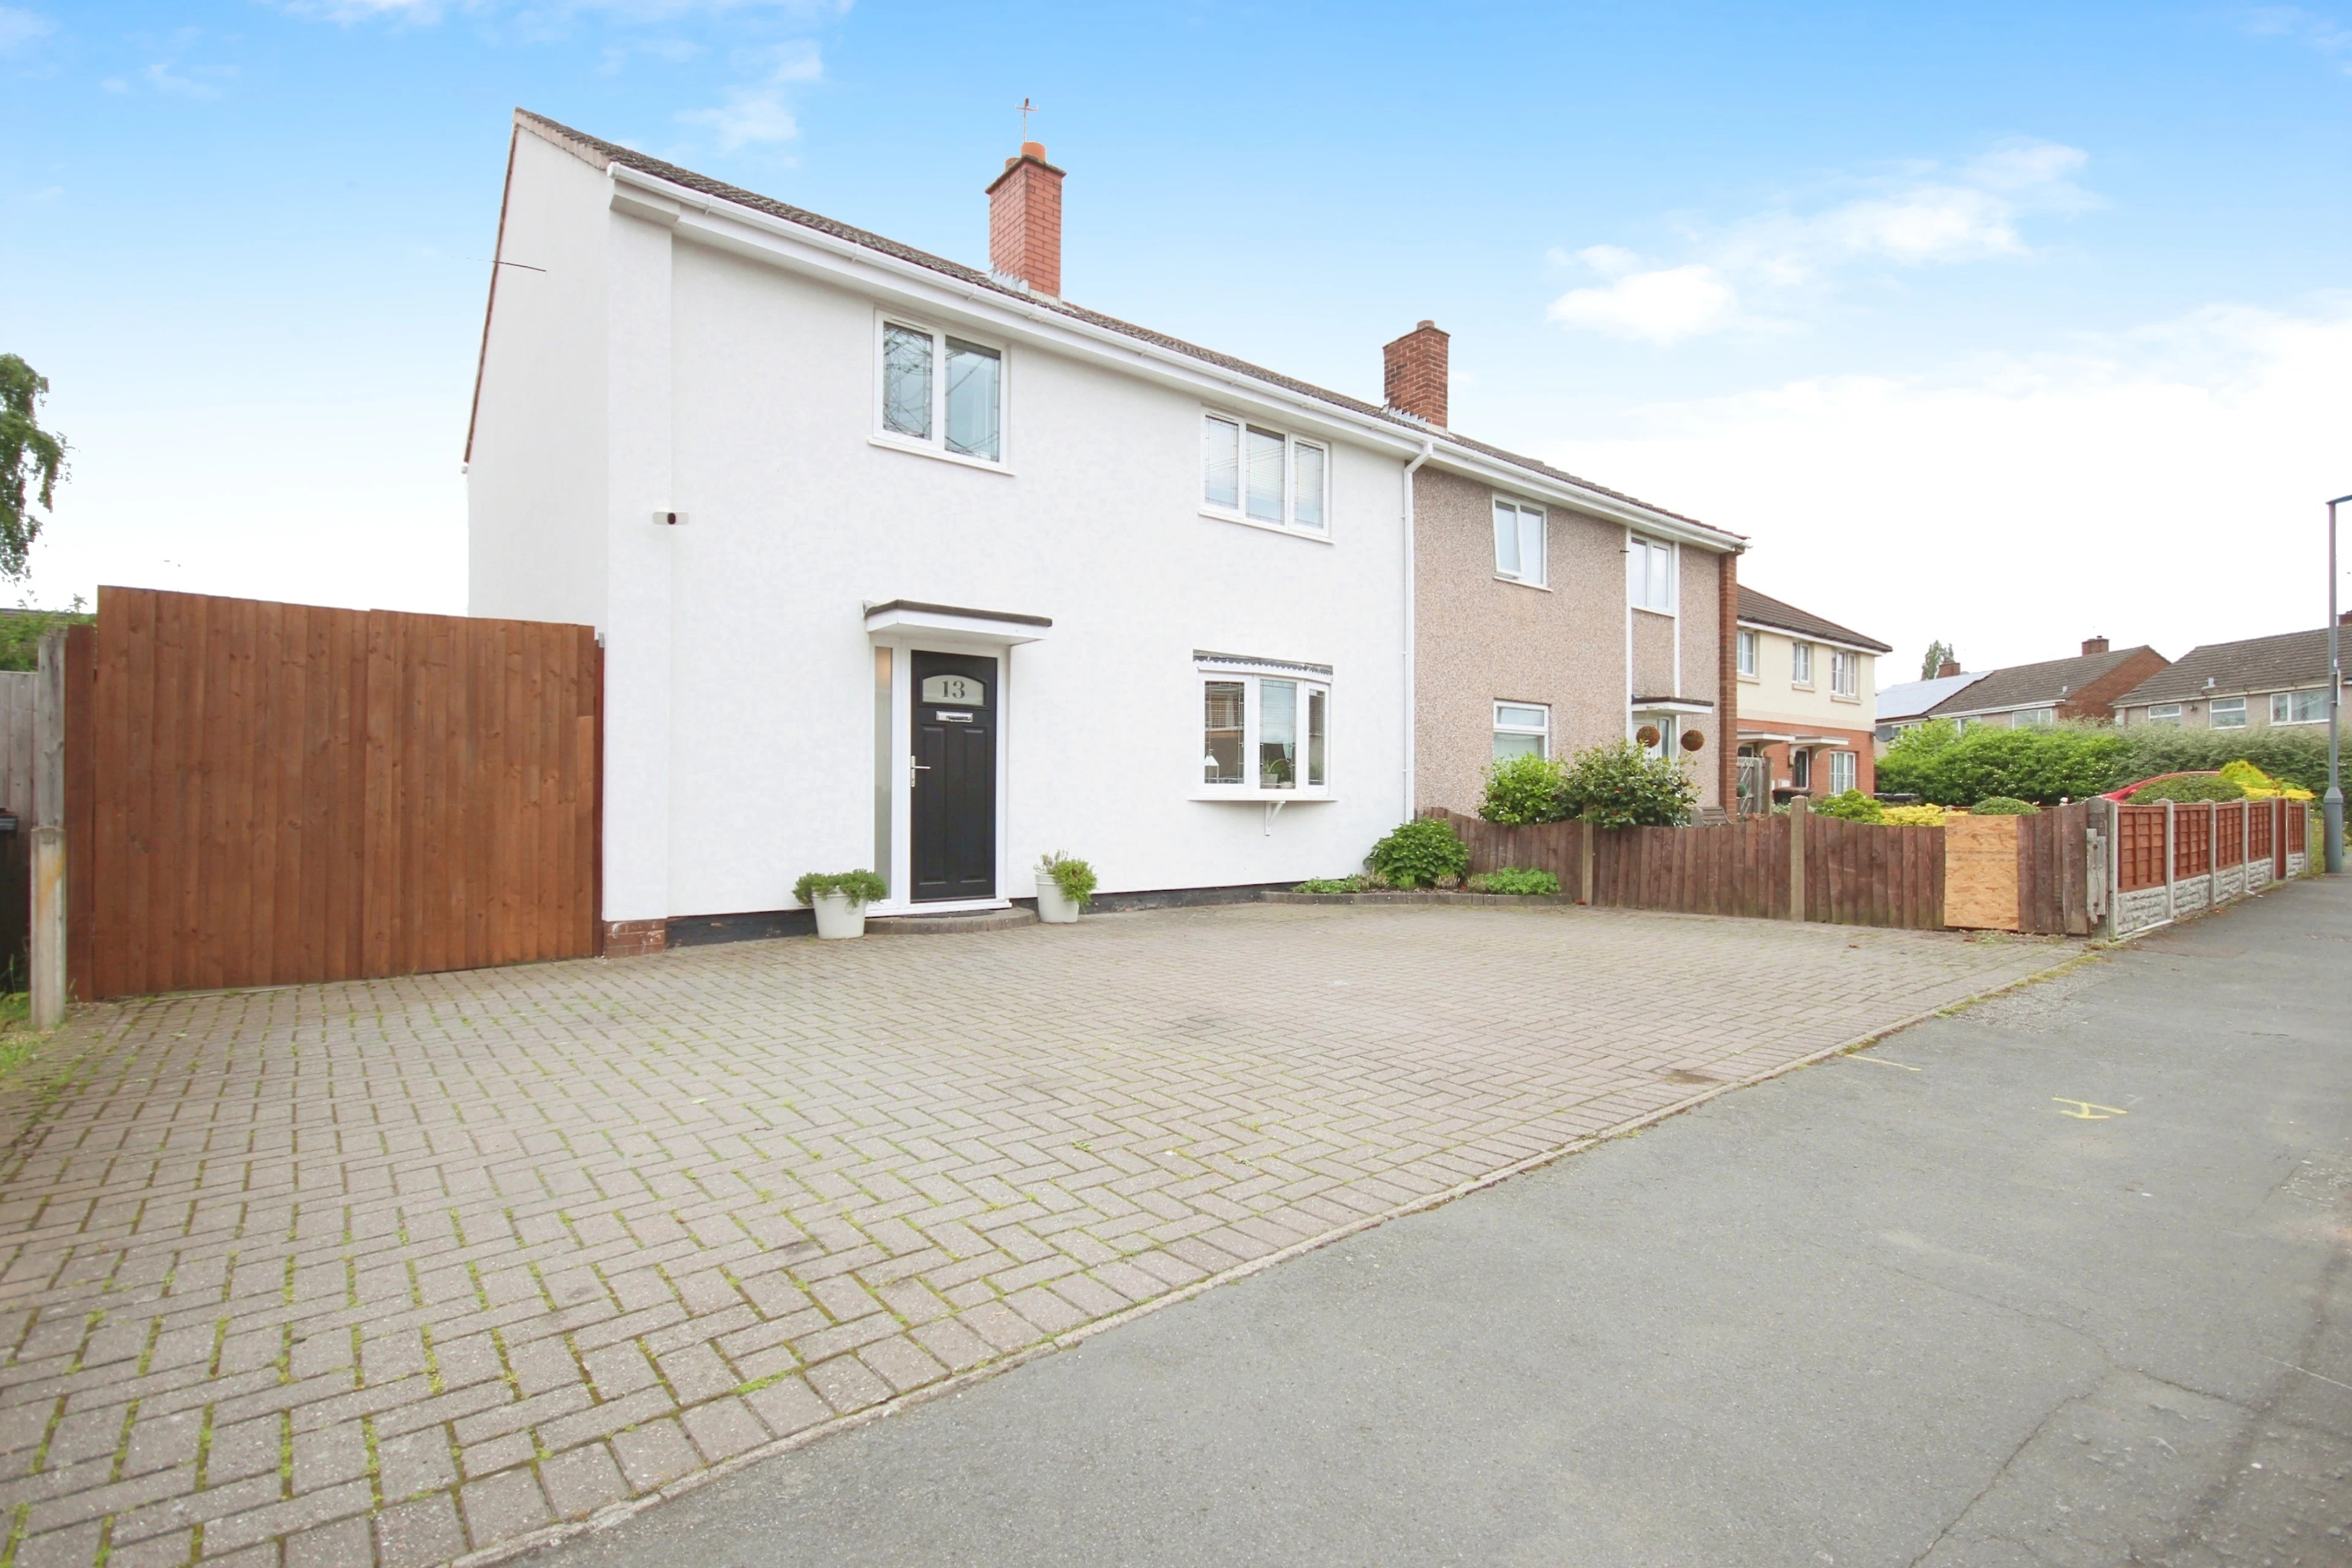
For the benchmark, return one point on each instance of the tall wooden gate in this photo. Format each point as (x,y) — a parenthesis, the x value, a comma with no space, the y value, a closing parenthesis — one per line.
(260,794)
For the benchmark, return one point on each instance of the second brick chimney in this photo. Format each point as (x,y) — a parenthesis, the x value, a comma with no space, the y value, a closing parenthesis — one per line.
(2094,644)
(1416,365)
(1025,221)
(1949,668)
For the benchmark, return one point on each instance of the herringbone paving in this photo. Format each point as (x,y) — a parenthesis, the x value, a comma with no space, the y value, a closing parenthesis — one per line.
(387,1272)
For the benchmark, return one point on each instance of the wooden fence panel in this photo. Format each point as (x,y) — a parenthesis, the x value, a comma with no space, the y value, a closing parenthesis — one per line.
(2298,818)
(2139,847)
(2192,840)
(1860,873)
(2261,819)
(266,793)
(2054,871)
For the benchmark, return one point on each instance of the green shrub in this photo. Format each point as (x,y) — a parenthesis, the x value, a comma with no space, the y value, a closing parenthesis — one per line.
(1515,880)
(1524,789)
(2193,788)
(2060,762)
(1074,877)
(860,887)
(1851,806)
(1620,785)
(1420,852)
(2297,756)
(2004,805)
(1330,885)
(20,633)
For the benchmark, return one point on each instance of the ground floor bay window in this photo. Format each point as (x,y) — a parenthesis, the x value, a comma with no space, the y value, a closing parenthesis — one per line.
(1265,727)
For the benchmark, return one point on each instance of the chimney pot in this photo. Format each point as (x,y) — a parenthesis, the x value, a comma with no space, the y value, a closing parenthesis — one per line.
(1416,372)
(1947,669)
(1025,221)
(2095,645)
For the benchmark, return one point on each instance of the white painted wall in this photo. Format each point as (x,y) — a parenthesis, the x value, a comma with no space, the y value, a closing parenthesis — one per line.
(739,686)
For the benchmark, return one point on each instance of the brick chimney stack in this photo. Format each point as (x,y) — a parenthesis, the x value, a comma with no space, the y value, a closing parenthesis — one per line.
(1416,364)
(1025,221)
(2094,644)
(1947,669)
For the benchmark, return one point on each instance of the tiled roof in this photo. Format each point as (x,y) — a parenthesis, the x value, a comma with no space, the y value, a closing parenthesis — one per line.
(2022,685)
(2258,664)
(596,151)
(1781,615)
(1910,699)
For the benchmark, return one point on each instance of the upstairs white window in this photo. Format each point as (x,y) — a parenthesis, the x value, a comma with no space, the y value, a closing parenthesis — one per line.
(2297,706)
(1264,476)
(1522,729)
(1845,673)
(1519,553)
(1650,574)
(1261,732)
(942,392)
(2228,713)
(1800,663)
(1747,654)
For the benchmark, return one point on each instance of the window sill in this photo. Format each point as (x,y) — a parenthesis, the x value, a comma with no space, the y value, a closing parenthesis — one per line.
(1841,697)
(938,455)
(1312,535)
(1661,615)
(1752,680)
(1262,796)
(1800,686)
(1523,583)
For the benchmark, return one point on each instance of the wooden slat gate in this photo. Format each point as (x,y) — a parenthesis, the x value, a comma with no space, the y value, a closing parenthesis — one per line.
(261,793)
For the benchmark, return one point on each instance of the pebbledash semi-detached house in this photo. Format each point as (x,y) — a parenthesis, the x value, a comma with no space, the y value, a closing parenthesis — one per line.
(905,564)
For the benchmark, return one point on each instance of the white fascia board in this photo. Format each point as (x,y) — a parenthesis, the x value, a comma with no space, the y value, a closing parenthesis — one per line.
(900,620)
(1809,636)
(779,242)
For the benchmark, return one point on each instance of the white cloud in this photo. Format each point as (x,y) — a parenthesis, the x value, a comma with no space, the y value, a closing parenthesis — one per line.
(19,27)
(750,117)
(1920,214)
(199,82)
(2160,486)
(1663,306)
(2292,22)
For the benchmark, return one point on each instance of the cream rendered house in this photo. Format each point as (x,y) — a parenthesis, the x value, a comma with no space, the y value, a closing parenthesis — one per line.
(1808,691)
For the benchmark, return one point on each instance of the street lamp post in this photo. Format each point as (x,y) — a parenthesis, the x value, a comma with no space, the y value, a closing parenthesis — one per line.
(2332,809)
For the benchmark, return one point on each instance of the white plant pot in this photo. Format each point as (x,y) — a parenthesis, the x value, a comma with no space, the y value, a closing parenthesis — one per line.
(1052,907)
(838,919)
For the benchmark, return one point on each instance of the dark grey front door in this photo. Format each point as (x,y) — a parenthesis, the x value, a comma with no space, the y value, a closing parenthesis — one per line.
(953,796)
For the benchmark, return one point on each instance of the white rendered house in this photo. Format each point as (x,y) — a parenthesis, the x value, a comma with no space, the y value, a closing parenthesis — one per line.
(903,565)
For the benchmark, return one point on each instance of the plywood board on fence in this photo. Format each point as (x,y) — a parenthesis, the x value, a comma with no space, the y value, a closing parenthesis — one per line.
(277,793)
(1981,872)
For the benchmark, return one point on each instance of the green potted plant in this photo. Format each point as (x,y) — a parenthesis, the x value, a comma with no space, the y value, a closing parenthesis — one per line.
(839,899)
(1065,886)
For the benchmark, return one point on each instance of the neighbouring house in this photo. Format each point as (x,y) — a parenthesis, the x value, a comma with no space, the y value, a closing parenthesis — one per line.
(1906,704)
(2262,683)
(908,564)
(2085,686)
(1807,689)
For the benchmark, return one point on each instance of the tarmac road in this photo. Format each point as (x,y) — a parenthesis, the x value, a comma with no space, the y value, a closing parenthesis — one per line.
(2057,1280)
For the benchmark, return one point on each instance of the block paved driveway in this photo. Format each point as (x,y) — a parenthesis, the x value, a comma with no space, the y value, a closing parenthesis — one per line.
(397,1272)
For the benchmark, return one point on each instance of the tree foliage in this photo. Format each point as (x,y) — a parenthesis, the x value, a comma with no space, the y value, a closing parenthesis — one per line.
(1946,767)
(32,461)
(21,629)
(1938,652)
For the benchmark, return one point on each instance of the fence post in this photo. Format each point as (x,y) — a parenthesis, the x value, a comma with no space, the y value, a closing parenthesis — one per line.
(2171,860)
(2245,849)
(1798,812)
(48,980)
(1584,862)
(2212,854)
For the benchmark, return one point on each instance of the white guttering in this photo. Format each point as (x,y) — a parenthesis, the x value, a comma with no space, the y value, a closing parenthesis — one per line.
(1410,784)
(918,283)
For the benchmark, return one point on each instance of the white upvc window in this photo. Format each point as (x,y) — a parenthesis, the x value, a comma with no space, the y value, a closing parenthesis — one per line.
(1650,574)
(1520,552)
(2035,718)
(1265,734)
(2299,707)
(2164,712)
(1842,772)
(1252,474)
(2227,713)
(1845,673)
(1747,654)
(940,392)
(1801,664)
(1522,729)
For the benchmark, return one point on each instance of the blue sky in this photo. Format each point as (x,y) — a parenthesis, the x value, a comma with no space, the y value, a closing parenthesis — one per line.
(2003,323)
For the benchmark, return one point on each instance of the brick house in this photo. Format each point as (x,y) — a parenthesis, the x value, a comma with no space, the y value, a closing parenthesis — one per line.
(1806,706)
(2261,683)
(2087,687)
